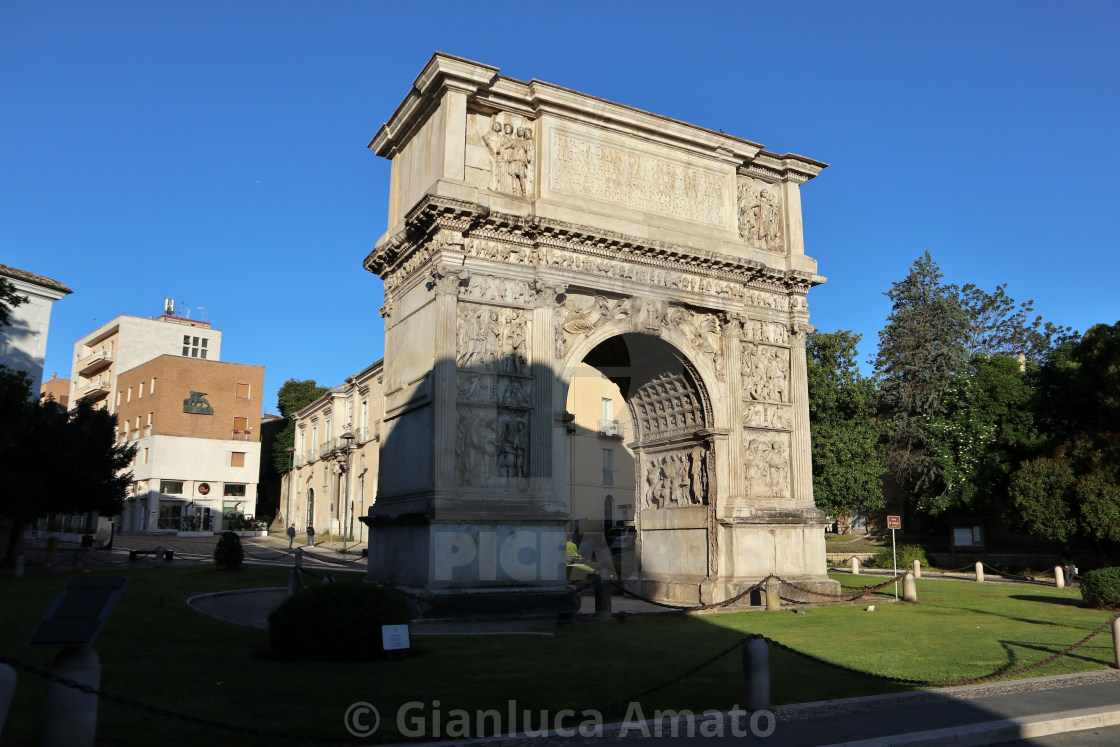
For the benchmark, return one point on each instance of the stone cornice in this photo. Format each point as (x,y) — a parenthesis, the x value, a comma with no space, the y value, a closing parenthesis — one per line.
(472,221)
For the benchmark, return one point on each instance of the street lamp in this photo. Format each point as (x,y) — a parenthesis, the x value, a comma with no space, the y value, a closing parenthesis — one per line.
(342,456)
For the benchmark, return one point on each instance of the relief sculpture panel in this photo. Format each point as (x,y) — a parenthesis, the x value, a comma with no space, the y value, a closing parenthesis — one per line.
(676,478)
(490,338)
(491,446)
(703,331)
(760,214)
(501,150)
(767,464)
(765,372)
(589,166)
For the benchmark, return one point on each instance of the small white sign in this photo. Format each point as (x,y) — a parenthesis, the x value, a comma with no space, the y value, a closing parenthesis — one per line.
(394,637)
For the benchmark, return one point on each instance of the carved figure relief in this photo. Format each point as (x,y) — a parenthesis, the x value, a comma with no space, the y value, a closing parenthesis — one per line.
(765,371)
(762,415)
(492,339)
(511,150)
(515,391)
(703,331)
(760,215)
(475,388)
(491,446)
(770,332)
(766,300)
(676,478)
(767,465)
(488,288)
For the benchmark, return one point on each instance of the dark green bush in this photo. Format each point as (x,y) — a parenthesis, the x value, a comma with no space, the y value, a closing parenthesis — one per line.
(907,554)
(1101,588)
(229,553)
(336,621)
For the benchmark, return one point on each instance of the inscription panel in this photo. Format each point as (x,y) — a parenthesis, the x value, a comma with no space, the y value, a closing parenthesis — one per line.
(593,167)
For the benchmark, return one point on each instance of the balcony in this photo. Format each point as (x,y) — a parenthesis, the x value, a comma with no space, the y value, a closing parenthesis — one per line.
(610,429)
(95,361)
(97,389)
(241,435)
(326,448)
(310,456)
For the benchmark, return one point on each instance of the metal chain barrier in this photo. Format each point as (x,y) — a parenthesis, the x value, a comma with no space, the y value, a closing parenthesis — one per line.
(324,559)
(1005,574)
(694,608)
(865,589)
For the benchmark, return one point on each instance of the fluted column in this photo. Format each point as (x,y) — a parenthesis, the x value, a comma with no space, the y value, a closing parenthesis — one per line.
(545,372)
(801,448)
(732,340)
(445,284)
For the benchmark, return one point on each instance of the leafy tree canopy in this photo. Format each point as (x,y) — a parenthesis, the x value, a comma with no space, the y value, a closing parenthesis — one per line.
(293,396)
(847,437)
(997,326)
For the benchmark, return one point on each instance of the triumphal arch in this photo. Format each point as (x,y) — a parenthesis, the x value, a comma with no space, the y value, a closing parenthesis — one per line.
(532,228)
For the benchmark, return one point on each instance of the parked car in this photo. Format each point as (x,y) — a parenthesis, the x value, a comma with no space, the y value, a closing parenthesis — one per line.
(621,537)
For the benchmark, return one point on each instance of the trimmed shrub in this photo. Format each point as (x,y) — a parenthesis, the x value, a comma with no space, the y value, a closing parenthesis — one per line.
(336,621)
(229,553)
(907,554)
(1101,588)
(573,551)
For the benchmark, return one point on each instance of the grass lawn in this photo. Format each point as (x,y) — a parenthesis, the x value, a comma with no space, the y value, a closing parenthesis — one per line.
(158,650)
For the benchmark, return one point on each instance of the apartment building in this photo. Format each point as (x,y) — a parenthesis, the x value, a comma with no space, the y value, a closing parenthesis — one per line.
(194,418)
(196,425)
(23,343)
(333,480)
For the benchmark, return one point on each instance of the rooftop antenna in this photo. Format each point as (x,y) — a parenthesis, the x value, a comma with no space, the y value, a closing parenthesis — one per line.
(169,306)
(201,312)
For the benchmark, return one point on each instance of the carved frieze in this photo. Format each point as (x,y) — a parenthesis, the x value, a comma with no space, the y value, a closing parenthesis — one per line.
(500,290)
(676,478)
(769,332)
(765,415)
(767,464)
(765,371)
(766,299)
(590,167)
(760,214)
(492,339)
(510,152)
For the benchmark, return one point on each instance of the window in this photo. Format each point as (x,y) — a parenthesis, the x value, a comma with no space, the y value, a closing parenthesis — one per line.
(145,455)
(171,487)
(149,423)
(232,489)
(152,388)
(194,347)
(608,466)
(141,392)
(607,410)
(129,399)
(118,399)
(237,459)
(240,425)
(242,391)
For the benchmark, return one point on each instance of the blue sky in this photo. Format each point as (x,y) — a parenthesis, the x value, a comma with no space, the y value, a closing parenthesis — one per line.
(214,152)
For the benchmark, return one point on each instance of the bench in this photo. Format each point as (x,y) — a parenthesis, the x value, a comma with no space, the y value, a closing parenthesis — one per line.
(167,554)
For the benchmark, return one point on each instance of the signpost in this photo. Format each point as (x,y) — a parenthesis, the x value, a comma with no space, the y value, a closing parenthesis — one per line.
(893,523)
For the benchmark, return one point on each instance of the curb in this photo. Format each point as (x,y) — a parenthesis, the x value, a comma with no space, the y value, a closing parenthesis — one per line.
(999,731)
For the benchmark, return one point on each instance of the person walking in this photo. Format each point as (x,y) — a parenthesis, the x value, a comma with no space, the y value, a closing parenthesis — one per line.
(291,535)
(310,536)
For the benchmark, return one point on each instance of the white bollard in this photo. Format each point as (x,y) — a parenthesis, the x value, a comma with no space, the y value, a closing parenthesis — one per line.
(917,569)
(17,571)
(159,556)
(1059,577)
(7,690)
(773,590)
(909,588)
(1116,640)
(71,715)
(855,566)
(756,675)
(979,572)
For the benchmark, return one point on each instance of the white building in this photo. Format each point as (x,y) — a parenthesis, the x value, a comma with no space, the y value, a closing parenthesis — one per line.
(23,344)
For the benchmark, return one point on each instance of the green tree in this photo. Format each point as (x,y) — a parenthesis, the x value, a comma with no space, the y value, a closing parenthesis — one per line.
(999,326)
(293,396)
(56,462)
(921,351)
(1072,489)
(847,436)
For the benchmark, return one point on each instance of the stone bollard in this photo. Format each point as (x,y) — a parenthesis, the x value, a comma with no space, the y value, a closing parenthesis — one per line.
(77,560)
(909,588)
(917,569)
(299,558)
(855,566)
(1116,640)
(71,715)
(295,585)
(1059,577)
(979,573)
(603,599)
(773,594)
(17,571)
(756,675)
(159,556)
(7,690)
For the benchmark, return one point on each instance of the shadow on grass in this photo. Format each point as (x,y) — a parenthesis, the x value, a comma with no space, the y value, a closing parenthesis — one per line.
(1051,649)
(1050,600)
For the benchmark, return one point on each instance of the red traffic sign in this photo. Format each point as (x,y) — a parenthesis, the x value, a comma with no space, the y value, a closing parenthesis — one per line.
(894,522)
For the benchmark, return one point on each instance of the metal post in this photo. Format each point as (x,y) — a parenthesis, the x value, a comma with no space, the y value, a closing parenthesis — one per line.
(894,554)
(756,675)
(71,715)
(603,599)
